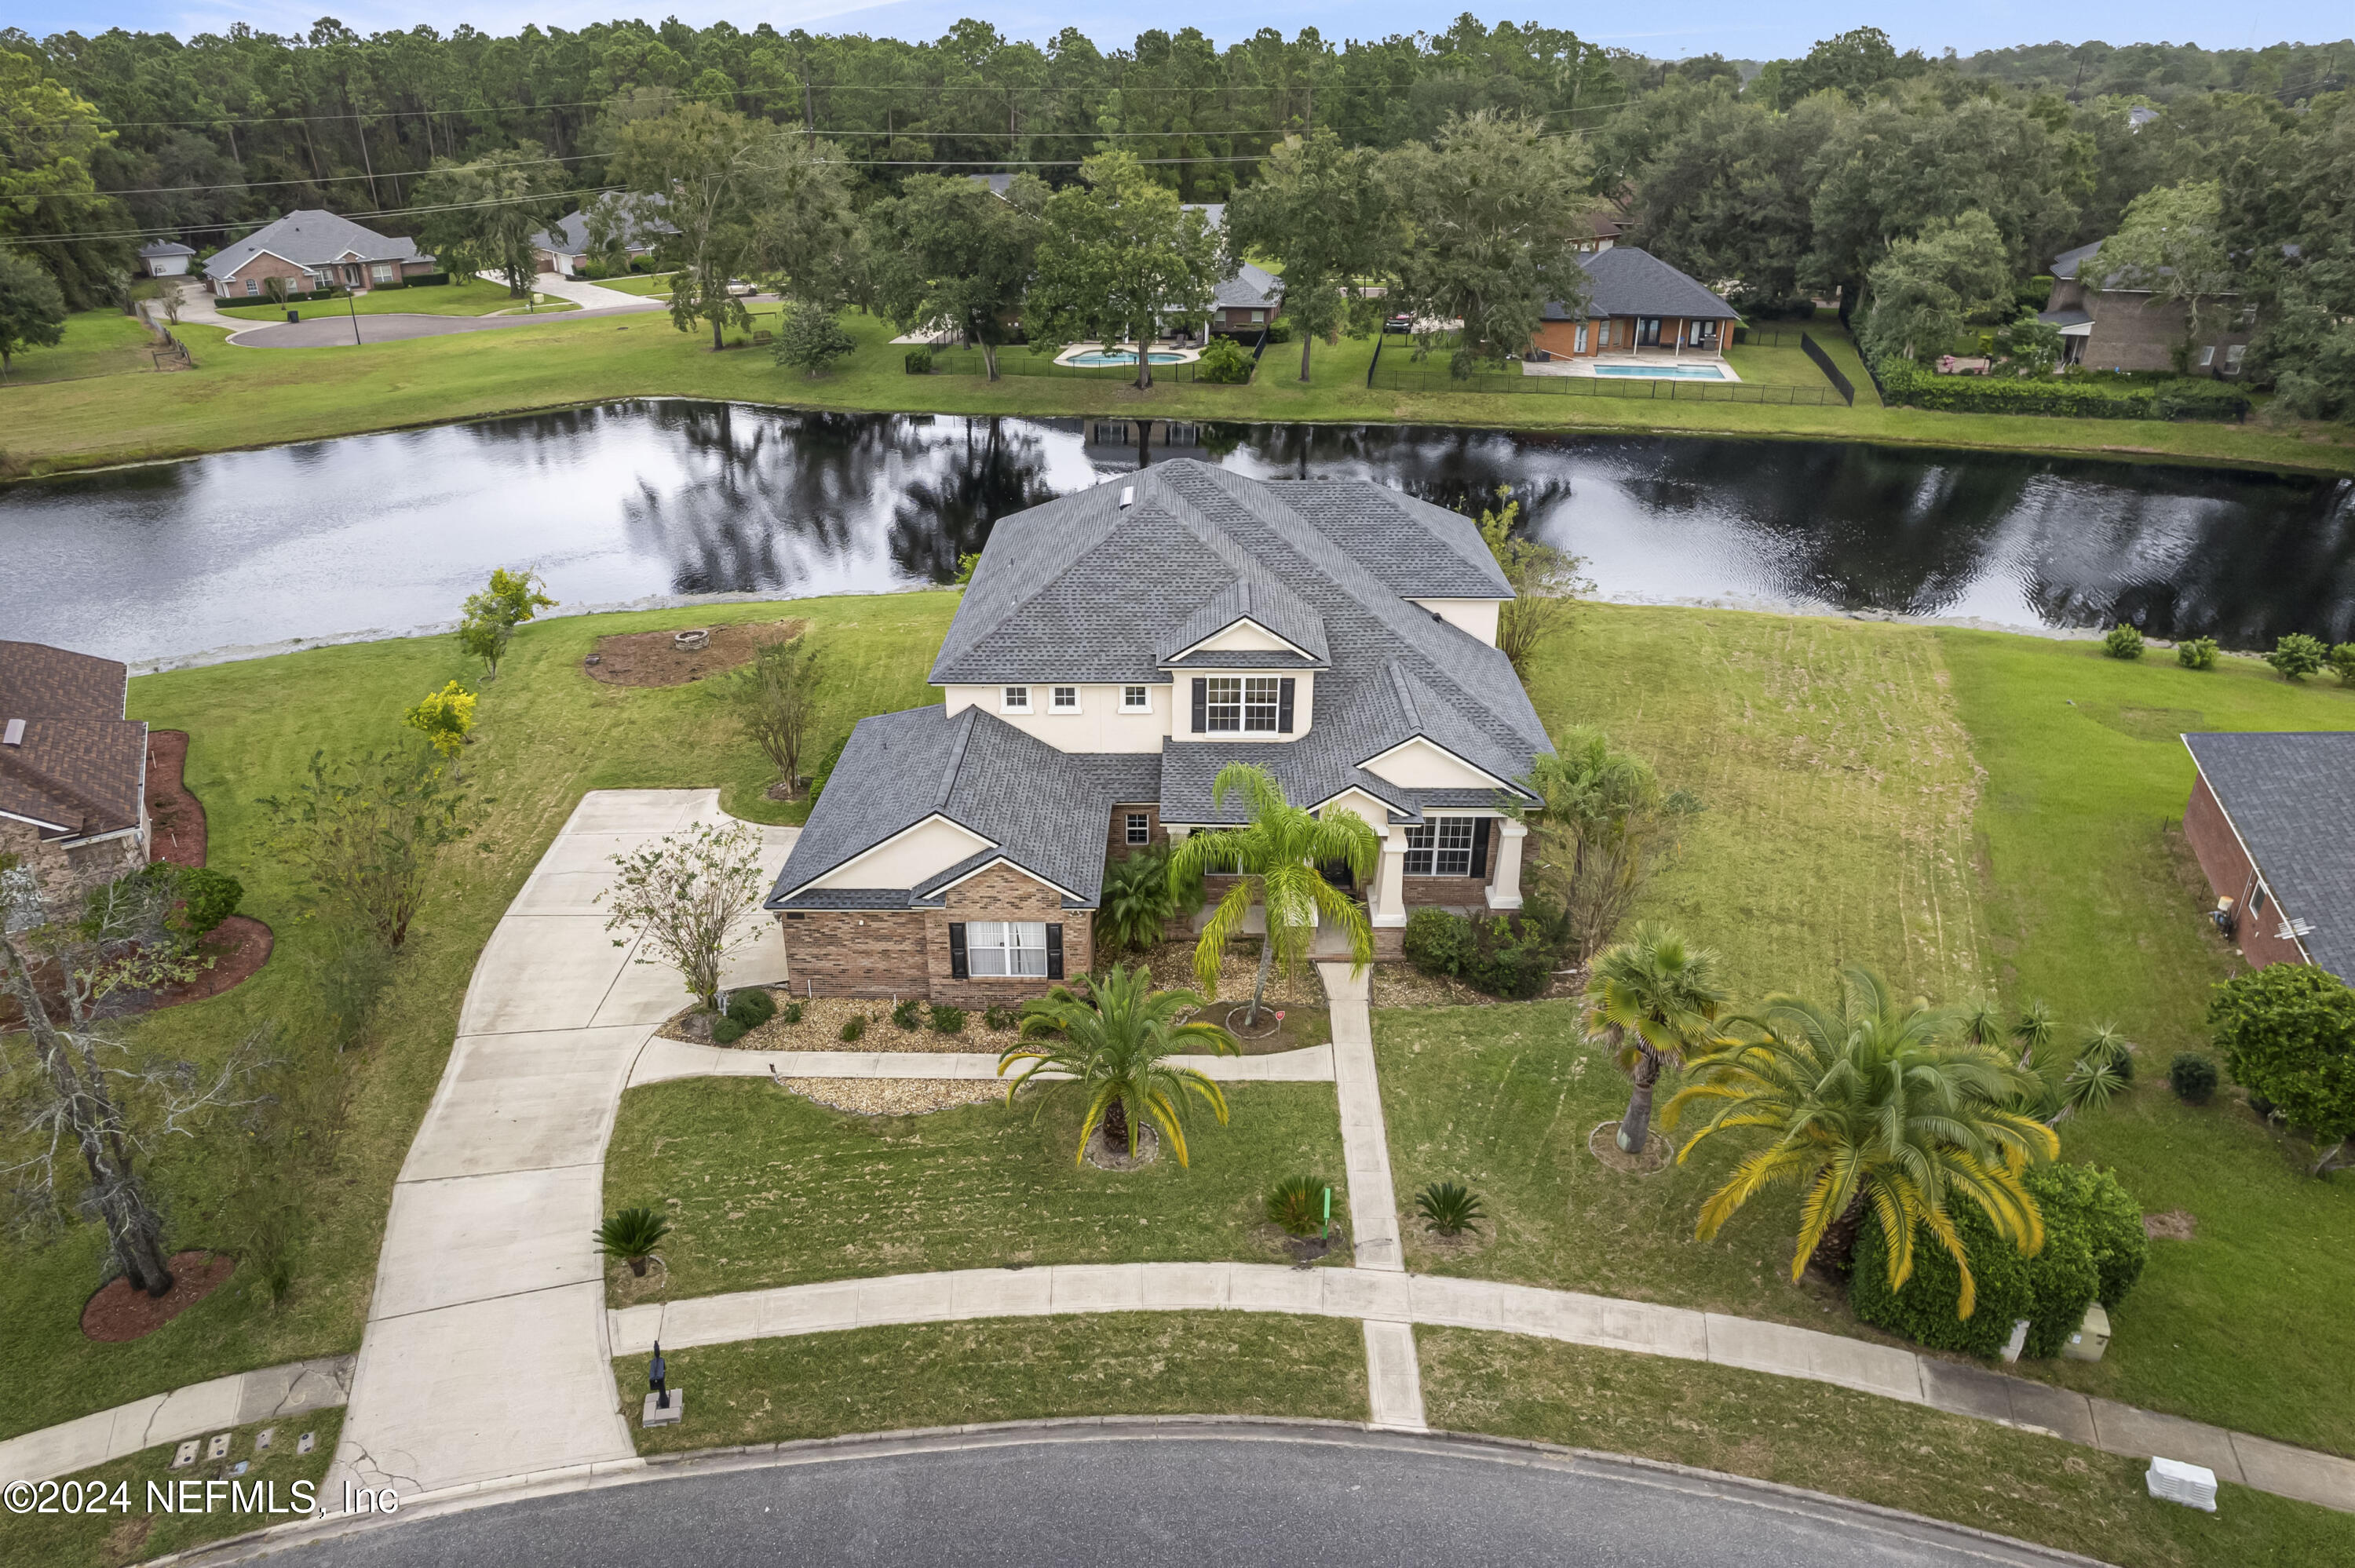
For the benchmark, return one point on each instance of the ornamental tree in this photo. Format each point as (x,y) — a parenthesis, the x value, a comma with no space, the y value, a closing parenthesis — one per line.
(1117,255)
(2287,1032)
(691,899)
(1317,209)
(951,252)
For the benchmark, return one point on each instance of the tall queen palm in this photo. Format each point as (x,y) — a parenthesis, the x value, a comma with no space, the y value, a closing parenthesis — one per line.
(1872,1101)
(1279,852)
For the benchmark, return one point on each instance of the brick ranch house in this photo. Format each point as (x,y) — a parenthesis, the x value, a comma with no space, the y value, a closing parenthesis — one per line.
(2105,325)
(1117,648)
(2272,818)
(312,249)
(73,769)
(1636,303)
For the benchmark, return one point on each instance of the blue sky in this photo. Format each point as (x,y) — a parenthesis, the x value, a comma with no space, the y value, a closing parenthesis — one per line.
(1664,28)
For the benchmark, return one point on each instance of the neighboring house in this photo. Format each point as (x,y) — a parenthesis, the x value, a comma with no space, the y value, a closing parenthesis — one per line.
(1247,299)
(2272,819)
(311,251)
(1635,302)
(2105,326)
(165,259)
(1117,648)
(562,248)
(73,769)
(1607,228)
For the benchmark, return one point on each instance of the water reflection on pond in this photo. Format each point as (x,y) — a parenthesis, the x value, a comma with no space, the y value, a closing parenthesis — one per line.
(649,500)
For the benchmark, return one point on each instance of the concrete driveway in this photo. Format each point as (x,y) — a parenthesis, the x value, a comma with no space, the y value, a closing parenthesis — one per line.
(486,1350)
(327,328)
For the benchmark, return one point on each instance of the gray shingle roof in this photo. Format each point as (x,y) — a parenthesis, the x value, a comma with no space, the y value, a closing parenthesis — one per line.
(165,248)
(1270,604)
(570,234)
(2065,265)
(2291,798)
(312,238)
(1046,811)
(1626,281)
(1249,288)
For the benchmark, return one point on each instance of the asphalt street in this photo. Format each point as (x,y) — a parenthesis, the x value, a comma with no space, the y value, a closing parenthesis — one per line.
(1213,1498)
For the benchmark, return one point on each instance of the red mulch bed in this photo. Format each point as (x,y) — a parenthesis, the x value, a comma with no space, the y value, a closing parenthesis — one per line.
(175,817)
(238,946)
(121,1311)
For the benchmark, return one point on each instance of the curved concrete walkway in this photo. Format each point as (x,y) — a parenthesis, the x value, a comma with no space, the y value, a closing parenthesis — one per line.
(485,1354)
(295,1389)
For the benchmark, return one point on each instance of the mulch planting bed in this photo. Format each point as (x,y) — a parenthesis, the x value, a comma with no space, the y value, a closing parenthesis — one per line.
(822,1021)
(175,817)
(1603,1144)
(238,946)
(121,1311)
(656,659)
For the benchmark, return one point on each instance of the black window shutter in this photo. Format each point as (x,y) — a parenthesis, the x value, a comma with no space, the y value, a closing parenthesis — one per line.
(1054,952)
(1284,705)
(1480,846)
(957,950)
(1201,705)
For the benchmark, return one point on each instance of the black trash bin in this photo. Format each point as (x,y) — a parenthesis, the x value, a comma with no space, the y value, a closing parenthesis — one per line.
(293,315)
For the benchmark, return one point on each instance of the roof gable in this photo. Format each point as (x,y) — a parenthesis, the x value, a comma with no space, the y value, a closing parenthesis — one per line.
(1627,281)
(313,238)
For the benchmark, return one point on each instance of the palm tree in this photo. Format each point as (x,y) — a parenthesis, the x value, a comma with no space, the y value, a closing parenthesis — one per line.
(1872,1101)
(1109,1037)
(632,1235)
(1279,853)
(1652,1001)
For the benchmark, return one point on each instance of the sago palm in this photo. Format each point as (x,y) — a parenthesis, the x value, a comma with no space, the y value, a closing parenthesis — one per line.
(1652,1001)
(1279,851)
(1108,1039)
(1872,1101)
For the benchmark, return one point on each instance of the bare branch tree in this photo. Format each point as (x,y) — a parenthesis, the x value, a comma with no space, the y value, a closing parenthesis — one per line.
(689,897)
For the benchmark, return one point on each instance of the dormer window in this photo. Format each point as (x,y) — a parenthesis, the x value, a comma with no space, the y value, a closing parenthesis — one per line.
(1066,699)
(1015,700)
(1136,699)
(1260,705)
(1243,704)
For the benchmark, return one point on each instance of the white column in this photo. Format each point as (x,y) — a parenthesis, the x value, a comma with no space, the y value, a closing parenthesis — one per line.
(1505,888)
(1390,885)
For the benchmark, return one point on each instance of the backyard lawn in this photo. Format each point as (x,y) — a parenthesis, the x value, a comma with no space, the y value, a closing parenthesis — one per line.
(953,1374)
(1970,813)
(458,297)
(1859,1445)
(96,343)
(546,734)
(766,1188)
(241,397)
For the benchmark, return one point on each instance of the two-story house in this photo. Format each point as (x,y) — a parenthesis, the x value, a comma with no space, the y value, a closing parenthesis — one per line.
(1117,648)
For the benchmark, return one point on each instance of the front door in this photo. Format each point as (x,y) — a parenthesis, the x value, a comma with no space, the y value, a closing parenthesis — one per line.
(1647,331)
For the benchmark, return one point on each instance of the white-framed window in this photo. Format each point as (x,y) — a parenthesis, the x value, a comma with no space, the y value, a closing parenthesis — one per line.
(2232,356)
(1261,698)
(1014,700)
(1140,827)
(383,271)
(1222,710)
(1439,847)
(1579,348)
(1066,700)
(1136,699)
(253,285)
(2207,356)
(1005,948)
(1704,330)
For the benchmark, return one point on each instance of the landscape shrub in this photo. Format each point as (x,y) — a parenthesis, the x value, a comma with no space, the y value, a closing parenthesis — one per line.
(208,897)
(1439,943)
(1295,1206)
(1135,903)
(429,280)
(1001,1018)
(793,1013)
(1224,363)
(906,1014)
(1279,330)
(1923,1310)
(752,1006)
(2078,396)
(1450,1208)
(2342,663)
(853,1027)
(825,770)
(2296,656)
(2192,1078)
(2123,641)
(1514,960)
(2062,1282)
(947,1019)
(2196,652)
(727,1031)
(2287,1032)
(918,361)
(2091,1203)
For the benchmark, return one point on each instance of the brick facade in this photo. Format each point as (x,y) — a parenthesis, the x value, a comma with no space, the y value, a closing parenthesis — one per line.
(1002,893)
(2133,332)
(898,953)
(1616,335)
(2229,873)
(871,953)
(1116,842)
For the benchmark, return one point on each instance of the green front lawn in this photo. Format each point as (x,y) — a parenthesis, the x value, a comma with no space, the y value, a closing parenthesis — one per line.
(96,343)
(258,396)
(766,1188)
(130,1533)
(547,733)
(955,1374)
(1860,1446)
(458,297)
(654,284)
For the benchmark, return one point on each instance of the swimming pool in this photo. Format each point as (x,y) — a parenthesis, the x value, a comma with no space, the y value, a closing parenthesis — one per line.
(1098,356)
(1666,372)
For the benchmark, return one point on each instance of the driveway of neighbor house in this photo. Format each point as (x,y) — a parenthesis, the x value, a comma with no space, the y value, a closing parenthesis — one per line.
(486,1352)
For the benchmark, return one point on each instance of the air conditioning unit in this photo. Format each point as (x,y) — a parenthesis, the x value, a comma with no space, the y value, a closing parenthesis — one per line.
(2173,1480)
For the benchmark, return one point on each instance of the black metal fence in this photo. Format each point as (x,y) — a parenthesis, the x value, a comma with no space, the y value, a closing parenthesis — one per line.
(1749,336)
(1408,377)
(1839,381)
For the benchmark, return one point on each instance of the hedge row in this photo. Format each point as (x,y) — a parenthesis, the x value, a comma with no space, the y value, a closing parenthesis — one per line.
(1902,381)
